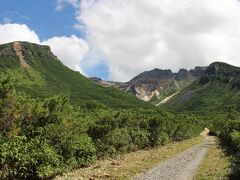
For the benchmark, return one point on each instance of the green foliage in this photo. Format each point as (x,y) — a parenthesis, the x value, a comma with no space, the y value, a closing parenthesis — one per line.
(22,158)
(36,139)
(140,138)
(119,139)
(213,92)
(129,130)
(78,148)
(227,127)
(40,138)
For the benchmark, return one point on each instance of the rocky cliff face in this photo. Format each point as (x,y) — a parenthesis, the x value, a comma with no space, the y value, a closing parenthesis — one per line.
(222,72)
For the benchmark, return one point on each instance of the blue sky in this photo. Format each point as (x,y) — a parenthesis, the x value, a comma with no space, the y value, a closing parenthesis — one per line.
(125,38)
(42,17)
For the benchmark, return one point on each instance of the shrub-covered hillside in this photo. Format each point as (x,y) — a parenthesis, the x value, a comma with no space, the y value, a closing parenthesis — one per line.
(218,87)
(46,76)
(43,138)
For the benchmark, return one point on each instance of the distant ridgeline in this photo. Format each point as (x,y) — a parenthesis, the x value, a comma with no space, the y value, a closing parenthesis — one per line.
(157,85)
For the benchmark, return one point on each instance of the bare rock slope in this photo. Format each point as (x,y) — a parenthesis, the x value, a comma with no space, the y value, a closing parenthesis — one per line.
(156,86)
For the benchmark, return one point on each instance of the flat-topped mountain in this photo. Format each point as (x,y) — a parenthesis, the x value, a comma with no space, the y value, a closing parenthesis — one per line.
(39,73)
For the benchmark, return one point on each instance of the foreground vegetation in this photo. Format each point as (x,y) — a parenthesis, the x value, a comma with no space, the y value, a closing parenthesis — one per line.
(43,138)
(227,128)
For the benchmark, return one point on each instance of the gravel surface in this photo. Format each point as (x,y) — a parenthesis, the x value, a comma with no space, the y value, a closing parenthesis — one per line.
(180,167)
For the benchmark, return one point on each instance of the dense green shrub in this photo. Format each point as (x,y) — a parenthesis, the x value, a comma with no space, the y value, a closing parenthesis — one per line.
(79,148)
(139,138)
(21,158)
(227,127)
(119,139)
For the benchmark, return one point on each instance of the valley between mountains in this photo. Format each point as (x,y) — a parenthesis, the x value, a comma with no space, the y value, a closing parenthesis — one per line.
(54,120)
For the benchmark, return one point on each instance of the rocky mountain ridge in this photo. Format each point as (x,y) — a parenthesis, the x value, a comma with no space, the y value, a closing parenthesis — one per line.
(156,85)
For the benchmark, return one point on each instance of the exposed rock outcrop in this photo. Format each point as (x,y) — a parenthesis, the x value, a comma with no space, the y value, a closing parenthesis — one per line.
(157,85)
(161,84)
(17,46)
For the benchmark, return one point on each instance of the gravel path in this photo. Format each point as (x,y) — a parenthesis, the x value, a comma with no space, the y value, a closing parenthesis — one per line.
(180,167)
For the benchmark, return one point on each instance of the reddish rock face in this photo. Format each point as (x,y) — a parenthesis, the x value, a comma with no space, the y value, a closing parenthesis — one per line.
(17,46)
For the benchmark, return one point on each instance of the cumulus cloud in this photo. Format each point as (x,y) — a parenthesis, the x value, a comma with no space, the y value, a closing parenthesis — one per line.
(70,50)
(137,35)
(17,32)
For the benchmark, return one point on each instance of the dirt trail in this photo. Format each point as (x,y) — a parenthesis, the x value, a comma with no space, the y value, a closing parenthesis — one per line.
(18,49)
(182,166)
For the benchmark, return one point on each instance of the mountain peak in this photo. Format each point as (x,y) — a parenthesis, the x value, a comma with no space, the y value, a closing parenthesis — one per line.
(21,53)
(153,74)
(183,74)
(220,68)
(221,71)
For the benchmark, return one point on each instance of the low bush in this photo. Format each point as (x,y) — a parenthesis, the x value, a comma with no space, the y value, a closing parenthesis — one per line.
(227,127)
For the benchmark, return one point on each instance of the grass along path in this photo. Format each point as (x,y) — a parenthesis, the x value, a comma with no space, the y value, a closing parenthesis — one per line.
(129,165)
(215,166)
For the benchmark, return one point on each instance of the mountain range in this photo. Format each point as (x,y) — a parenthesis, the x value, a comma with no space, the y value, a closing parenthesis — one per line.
(39,73)
(156,86)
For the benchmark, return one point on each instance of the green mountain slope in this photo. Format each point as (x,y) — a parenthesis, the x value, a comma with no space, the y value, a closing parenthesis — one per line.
(45,76)
(216,89)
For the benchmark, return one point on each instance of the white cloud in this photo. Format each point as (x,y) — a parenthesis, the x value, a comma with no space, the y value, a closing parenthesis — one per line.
(70,50)
(17,32)
(60,4)
(138,35)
